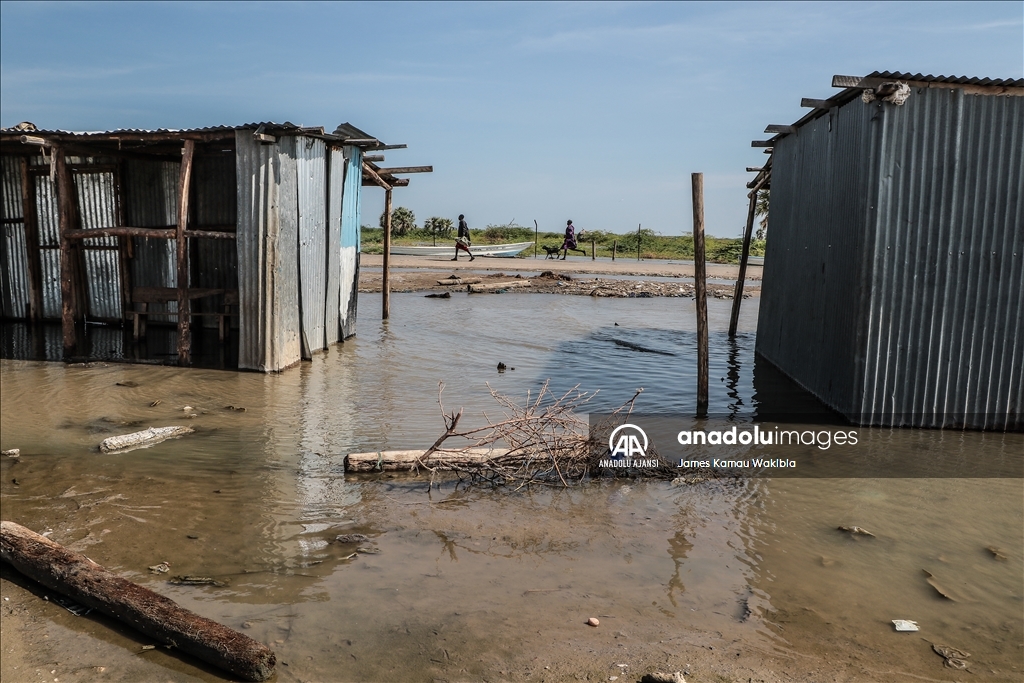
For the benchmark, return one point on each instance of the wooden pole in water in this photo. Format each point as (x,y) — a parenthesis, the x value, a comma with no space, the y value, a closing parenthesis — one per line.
(637,241)
(385,285)
(184,312)
(593,249)
(536,237)
(615,247)
(700,276)
(65,216)
(737,296)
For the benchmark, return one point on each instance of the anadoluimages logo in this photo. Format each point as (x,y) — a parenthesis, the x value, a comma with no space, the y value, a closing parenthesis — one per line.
(628,445)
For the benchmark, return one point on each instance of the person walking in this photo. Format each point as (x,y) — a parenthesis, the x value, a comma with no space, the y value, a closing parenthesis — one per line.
(462,241)
(570,239)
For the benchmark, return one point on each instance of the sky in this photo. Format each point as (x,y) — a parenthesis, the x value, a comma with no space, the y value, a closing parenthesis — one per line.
(595,112)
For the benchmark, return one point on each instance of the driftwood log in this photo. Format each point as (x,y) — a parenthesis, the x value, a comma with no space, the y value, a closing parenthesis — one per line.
(398,461)
(79,578)
(493,286)
(143,439)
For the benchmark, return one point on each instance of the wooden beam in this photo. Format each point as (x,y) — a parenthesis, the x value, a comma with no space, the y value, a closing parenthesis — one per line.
(125,231)
(65,217)
(857,81)
(385,288)
(211,234)
(737,296)
(400,182)
(779,128)
(381,148)
(373,157)
(184,306)
(700,282)
(754,169)
(762,143)
(406,169)
(812,103)
(377,180)
(31,224)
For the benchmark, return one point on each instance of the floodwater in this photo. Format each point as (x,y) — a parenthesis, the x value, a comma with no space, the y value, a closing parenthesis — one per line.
(728,579)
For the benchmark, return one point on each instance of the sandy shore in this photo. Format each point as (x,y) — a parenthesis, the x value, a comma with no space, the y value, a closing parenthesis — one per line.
(581,277)
(572,265)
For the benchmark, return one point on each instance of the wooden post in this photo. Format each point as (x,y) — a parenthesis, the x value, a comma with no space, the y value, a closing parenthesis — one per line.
(65,216)
(31,223)
(593,249)
(700,276)
(124,242)
(385,287)
(184,309)
(615,248)
(737,296)
(637,241)
(536,237)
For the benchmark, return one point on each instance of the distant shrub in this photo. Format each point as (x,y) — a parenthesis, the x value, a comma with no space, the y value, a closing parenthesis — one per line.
(441,227)
(508,233)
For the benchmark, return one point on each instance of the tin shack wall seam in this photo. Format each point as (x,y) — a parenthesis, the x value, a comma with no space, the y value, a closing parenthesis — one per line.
(14,280)
(311,172)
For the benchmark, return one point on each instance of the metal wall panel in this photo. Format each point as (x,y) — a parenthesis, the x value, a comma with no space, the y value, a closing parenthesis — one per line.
(925,308)
(14,280)
(350,216)
(97,208)
(335,192)
(267,254)
(311,177)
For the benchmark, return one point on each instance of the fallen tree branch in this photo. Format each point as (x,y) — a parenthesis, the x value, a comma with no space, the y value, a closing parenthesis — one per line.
(79,578)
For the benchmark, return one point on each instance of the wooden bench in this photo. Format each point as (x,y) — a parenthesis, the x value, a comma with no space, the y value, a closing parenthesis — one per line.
(143,296)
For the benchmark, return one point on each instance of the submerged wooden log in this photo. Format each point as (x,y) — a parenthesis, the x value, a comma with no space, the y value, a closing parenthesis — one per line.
(460,281)
(147,437)
(394,461)
(490,287)
(79,578)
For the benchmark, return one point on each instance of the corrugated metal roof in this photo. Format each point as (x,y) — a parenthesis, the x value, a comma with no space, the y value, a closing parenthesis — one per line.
(344,133)
(848,94)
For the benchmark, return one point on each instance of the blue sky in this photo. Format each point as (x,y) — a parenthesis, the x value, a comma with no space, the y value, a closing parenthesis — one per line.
(595,112)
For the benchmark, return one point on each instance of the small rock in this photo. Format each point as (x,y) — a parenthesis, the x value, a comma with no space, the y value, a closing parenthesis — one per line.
(187,408)
(593,621)
(352,538)
(161,568)
(246,624)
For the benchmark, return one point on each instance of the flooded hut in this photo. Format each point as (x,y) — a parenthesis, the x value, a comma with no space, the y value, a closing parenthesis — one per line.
(246,234)
(894,271)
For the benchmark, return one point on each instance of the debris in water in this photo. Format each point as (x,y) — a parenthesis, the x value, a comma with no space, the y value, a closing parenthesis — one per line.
(195,581)
(441,295)
(501,367)
(12,453)
(187,408)
(954,657)
(155,403)
(593,621)
(905,625)
(146,437)
(237,408)
(127,383)
(659,677)
(368,550)
(161,568)
(352,538)
(938,587)
(856,531)
(997,553)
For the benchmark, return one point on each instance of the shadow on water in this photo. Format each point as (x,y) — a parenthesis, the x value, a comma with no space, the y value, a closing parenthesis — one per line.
(105,343)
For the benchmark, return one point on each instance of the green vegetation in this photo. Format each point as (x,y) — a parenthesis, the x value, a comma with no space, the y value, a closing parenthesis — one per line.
(652,245)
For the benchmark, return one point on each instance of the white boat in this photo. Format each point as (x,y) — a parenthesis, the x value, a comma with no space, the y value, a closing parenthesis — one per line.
(498,250)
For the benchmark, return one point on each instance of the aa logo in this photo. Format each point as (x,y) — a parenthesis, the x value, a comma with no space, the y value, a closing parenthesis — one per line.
(628,441)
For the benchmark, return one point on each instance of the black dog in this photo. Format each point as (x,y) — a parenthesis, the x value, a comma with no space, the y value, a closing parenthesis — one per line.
(553,251)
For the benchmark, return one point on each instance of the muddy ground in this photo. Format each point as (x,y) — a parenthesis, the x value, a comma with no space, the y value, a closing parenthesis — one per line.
(548,282)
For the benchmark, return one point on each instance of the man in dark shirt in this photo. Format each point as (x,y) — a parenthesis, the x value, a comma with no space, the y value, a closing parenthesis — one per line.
(462,241)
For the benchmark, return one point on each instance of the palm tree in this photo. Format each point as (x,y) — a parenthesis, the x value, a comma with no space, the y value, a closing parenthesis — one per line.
(761,209)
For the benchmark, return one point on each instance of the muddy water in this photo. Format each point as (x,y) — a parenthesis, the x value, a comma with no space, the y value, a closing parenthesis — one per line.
(728,579)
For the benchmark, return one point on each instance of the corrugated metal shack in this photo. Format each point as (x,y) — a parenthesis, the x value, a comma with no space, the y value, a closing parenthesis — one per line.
(894,272)
(252,228)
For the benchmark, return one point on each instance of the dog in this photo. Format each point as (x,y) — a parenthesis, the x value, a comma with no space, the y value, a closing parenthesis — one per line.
(552,252)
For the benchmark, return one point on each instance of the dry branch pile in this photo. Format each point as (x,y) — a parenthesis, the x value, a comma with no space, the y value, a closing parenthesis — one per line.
(542,441)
